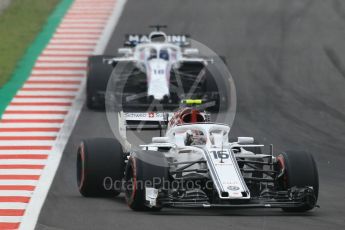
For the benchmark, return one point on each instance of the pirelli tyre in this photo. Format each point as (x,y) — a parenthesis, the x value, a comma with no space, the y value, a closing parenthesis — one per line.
(98,74)
(300,171)
(141,172)
(100,167)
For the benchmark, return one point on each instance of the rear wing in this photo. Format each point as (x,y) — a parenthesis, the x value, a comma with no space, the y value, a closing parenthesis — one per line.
(141,121)
(131,40)
(144,120)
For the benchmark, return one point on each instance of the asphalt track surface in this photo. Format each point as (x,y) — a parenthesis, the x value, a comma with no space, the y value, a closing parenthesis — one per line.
(288,62)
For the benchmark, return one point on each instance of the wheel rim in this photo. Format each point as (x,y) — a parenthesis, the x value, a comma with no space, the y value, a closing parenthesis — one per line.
(80,166)
(130,181)
(283,181)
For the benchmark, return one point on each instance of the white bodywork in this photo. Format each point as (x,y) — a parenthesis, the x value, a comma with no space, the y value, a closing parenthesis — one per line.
(157,59)
(211,145)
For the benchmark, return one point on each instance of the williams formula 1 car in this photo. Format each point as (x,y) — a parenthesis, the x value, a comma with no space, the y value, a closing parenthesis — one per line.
(154,67)
(194,165)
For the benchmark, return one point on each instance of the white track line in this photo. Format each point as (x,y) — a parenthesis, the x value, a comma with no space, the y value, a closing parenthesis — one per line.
(26,143)
(57,58)
(10,219)
(17,182)
(34,116)
(66,72)
(12,205)
(22,161)
(22,152)
(83,31)
(37,108)
(20,171)
(46,93)
(29,125)
(49,86)
(28,134)
(54,78)
(40,100)
(82,21)
(67,52)
(77,36)
(71,46)
(67,64)
(69,41)
(109,29)
(23,193)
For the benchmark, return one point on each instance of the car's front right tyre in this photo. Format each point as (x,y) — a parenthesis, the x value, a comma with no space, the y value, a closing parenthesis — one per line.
(141,172)
(300,171)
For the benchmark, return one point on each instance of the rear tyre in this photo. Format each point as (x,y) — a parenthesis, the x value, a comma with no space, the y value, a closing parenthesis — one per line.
(300,171)
(100,167)
(98,74)
(139,173)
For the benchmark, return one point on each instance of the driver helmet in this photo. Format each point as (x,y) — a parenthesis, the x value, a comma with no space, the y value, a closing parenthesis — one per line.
(186,116)
(164,54)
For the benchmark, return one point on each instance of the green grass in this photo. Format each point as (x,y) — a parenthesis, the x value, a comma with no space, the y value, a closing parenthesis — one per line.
(19,25)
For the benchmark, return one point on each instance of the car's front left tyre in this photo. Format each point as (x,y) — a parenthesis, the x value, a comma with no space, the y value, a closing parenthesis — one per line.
(100,167)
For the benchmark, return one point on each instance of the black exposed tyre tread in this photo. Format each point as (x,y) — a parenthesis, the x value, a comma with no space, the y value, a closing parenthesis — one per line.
(145,172)
(301,171)
(98,159)
(98,75)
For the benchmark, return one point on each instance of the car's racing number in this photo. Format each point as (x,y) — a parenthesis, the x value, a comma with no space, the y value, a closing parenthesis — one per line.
(220,154)
(158,71)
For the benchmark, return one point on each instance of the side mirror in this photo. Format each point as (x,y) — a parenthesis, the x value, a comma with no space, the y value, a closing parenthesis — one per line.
(125,51)
(160,139)
(245,140)
(191,51)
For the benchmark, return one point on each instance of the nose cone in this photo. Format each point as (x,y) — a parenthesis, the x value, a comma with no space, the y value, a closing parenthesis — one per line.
(158,72)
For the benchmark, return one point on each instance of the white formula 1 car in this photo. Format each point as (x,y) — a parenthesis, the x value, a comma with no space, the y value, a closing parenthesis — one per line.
(195,166)
(157,67)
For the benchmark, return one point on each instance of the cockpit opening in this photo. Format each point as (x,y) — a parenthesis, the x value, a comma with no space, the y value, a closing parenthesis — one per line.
(164,54)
